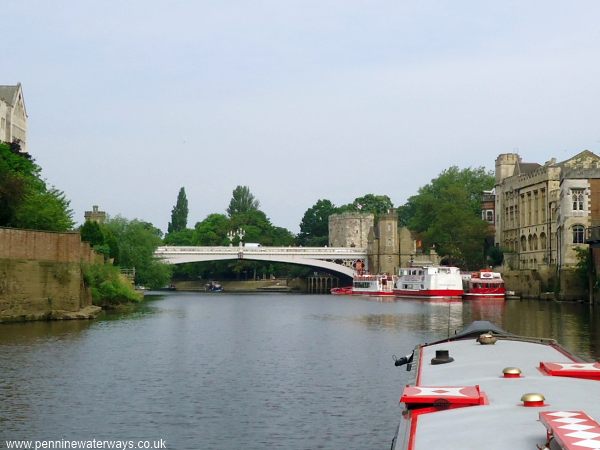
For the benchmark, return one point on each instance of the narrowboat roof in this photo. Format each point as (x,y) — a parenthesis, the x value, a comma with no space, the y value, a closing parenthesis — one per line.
(502,421)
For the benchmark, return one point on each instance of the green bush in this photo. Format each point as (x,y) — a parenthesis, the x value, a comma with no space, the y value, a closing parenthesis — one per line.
(108,286)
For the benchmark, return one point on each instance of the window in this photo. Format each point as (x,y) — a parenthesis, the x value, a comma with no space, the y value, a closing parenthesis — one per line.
(578,234)
(523,243)
(543,240)
(577,198)
(489,215)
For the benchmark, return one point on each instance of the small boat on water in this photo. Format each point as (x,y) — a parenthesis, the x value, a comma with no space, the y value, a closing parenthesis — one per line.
(484,388)
(213,286)
(365,284)
(485,284)
(429,282)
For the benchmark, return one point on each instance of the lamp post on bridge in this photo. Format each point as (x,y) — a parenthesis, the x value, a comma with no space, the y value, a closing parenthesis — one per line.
(240,233)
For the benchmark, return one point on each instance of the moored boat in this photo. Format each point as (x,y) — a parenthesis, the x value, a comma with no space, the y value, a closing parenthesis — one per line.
(429,282)
(213,286)
(485,284)
(365,284)
(485,388)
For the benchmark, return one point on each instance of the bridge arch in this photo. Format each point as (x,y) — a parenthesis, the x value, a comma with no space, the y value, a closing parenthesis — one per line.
(334,259)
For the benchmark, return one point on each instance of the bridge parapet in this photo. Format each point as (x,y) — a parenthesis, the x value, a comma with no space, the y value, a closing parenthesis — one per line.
(338,259)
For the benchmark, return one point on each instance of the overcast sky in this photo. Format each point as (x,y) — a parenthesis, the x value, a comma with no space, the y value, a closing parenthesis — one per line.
(298,99)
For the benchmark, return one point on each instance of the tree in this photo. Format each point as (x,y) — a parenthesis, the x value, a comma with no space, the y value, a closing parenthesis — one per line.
(44,210)
(242,201)
(212,230)
(375,204)
(179,213)
(314,228)
(25,199)
(136,242)
(446,213)
(90,232)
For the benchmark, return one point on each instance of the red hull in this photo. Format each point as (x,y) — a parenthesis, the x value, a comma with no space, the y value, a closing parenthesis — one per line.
(375,294)
(430,293)
(473,295)
(485,293)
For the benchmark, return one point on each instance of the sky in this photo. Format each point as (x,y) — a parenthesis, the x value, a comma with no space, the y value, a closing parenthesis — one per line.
(300,100)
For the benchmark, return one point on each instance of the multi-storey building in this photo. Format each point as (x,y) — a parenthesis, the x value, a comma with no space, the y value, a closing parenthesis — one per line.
(542,210)
(13,116)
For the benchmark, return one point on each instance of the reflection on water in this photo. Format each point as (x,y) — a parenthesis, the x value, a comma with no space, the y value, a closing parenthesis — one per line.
(575,326)
(243,371)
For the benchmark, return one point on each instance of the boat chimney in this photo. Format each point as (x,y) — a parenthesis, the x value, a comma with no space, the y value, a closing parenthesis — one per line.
(442,357)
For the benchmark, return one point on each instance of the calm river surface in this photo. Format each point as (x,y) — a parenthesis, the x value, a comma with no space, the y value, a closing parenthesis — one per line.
(224,371)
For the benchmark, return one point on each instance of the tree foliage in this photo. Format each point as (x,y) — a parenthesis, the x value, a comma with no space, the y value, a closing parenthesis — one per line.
(179,213)
(446,214)
(107,285)
(314,227)
(242,201)
(25,199)
(136,242)
(375,204)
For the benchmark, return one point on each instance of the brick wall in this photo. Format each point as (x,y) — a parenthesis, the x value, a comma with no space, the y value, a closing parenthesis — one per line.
(40,275)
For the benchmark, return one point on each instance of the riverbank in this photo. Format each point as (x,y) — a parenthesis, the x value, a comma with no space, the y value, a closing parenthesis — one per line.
(269,285)
(41,276)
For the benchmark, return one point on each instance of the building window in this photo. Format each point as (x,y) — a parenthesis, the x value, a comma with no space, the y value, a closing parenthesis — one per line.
(578,234)
(577,198)
(489,215)
(523,244)
(543,240)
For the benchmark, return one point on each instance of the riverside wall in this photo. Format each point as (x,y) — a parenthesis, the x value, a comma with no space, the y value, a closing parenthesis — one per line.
(545,283)
(41,276)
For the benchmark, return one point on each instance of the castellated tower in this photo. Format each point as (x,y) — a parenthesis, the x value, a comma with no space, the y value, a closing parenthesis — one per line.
(505,165)
(350,229)
(383,250)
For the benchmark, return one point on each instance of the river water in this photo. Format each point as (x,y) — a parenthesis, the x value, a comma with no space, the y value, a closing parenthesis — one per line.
(221,371)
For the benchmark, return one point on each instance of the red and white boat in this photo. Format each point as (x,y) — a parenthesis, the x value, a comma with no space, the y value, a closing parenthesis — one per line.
(485,284)
(363,284)
(429,282)
(487,389)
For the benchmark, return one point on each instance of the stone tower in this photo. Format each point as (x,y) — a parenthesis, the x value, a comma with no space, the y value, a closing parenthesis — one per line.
(383,248)
(95,215)
(505,165)
(350,229)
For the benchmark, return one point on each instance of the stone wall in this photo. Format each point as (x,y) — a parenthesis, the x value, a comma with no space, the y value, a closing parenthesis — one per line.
(350,229)
(545,283)
(41,277)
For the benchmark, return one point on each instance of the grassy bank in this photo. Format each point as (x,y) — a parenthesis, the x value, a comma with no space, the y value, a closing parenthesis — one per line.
(109,288)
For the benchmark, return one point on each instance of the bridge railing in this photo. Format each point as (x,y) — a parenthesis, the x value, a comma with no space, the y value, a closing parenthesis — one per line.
(331,251)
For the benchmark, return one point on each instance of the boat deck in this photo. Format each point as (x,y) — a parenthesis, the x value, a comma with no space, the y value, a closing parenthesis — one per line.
(504,422)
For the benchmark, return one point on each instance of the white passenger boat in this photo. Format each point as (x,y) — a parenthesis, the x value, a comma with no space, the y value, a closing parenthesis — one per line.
(487,389)
(429,282)
(364,284)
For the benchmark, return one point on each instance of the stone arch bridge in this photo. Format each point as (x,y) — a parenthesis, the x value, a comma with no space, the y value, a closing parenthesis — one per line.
(333,259)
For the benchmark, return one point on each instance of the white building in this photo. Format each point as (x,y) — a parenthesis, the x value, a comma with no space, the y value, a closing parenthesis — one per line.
(13,116)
